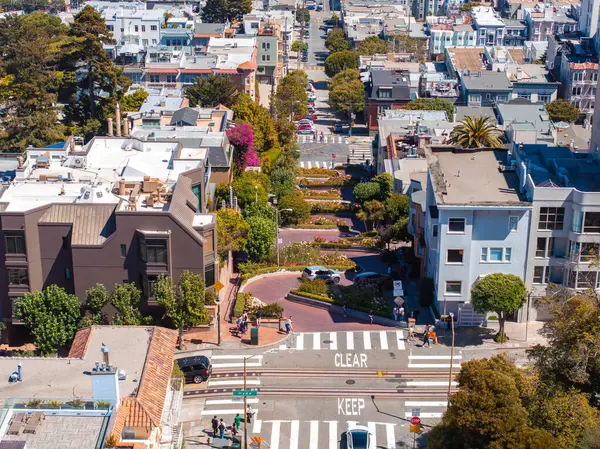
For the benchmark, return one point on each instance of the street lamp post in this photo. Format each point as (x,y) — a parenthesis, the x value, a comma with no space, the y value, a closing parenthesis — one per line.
(451,315)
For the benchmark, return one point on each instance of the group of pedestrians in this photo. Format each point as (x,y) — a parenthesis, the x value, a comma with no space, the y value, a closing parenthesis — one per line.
(242,323)
(219,427)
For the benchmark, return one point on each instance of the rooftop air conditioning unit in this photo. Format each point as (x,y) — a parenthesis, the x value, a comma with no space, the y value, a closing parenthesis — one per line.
(78,162)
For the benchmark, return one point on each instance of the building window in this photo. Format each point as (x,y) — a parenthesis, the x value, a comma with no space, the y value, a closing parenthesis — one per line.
(545,247)
(540,275)
(254,25)
(551,218)
(123,250)
(209,275)
(513,223)
(143,28)
(144,42)
(385,93)
(15,243)
(456,225)
(268,57)
(435,230)
(544,99)
(578,76)
(591,222)
(67,274)
(497,255)
(153,41)
(453,288)
(111,28)
(454,256)
(153,250)
(136,28)
(155,78)
(588,252)
(18,276)
(264,57)
(171,78)
(153,28)
(525,96)
(148,285)
(595,76)
(586,279)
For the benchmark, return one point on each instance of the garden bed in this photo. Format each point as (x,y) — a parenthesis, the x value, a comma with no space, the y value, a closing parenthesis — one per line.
(313,194)
(331,207)
(316,172)
(335,181)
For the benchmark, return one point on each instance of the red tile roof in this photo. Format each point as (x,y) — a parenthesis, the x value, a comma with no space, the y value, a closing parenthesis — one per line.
(584,65)
(80,343)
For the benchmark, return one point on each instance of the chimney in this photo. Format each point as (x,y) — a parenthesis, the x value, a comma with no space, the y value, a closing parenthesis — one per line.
(110,127)
(20,161)
(125,127)
(118,118)
(163,103)
(122,191)
(104,351)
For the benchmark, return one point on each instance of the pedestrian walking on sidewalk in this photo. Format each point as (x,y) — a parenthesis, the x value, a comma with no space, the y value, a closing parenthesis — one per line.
(345,310)
(401,313)
(371,316)
(234,431)
(395,312)
(288,326)
(215,426)
(237,421)
(222,429)
(426,340)
(258,316)
(249,414)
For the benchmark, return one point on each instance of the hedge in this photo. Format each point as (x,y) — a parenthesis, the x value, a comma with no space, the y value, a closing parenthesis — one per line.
(333,207)
(240,304)
(274,269)
(337,302)
(317,172)
(312,226)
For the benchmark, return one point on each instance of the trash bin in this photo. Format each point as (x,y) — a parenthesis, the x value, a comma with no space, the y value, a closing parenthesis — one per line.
(254,336)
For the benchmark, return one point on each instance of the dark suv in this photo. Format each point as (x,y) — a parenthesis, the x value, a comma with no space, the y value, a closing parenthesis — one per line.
(196,369)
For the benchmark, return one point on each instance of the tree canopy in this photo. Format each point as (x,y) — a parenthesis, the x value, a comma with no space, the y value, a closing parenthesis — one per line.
(291,97)
(562,111)
(365,191)
(476,132)
(232,231)
(250,187)
(336,41)
(126,298)
(221,11)
(432,104)
(263,127)
(346,92)
(371,46)
(133,102)
(299,46)
(303,15)
(262,238)
(211,91)
(500,293)
(300,209)
(339,61)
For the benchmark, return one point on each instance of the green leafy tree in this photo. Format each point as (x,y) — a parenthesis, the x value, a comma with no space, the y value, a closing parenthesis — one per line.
(432,104)
(183,302)
(542,59)
(303,15)
(291,97)
(211,91)
(365,191)
(98,83)
(133,102)
(374,210)
(300,209)
(487,412)
(336,41)
(264,210)
(386,185)
(397,206)
(467,7)
(286,133)
(412,45)
(334,19)
(476,132)
(500,293)
(96,298)
(372,45)
(339,61)
(51,315)
(571,359)
(232,231)
(298,46)
(261,239)
(283,181)
(346,92)
(127,299)
(221,11)
(562,111)
(251,187)
(263,127)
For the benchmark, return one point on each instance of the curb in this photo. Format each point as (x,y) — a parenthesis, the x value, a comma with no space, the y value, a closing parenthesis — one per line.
(241,346)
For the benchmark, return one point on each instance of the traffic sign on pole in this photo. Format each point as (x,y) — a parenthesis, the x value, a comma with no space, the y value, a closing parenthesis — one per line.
(415,420)
(218,286)
(416,411)
(415,428)
(244,393)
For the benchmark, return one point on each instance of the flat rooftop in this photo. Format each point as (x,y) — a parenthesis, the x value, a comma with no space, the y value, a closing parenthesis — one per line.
(467,59)
(63,377)
(472,178)
(64,432)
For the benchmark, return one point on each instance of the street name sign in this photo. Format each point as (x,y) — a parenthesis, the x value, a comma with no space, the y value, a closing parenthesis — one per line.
(245,393)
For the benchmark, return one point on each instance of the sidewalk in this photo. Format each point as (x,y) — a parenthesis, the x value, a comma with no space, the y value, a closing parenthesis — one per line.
(198,434)
(195,341)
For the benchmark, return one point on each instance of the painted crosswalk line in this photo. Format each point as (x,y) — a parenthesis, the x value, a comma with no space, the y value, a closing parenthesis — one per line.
(232,382)
(337,341)
(425,414)
(435,359)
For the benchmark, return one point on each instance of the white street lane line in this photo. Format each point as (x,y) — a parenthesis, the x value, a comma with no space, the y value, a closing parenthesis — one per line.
(350,341)
(231,401)
(426,403)
(400,340)
(433,365)
(233,411)
(301,164)
(383,340)
(333,339)
(390,436)
(424,415)
(257,426)
(294,434)
(428,383)
(317,341)
(373,431)
(214,383)
(314,435)
(367,339)
(300,342)
(234,356)
(433,357)
(236,365)
(275,434)
(333,436)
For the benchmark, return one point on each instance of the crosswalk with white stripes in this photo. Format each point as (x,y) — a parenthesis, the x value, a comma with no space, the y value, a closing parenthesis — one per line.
(318,164)
(310,138)
(350,341)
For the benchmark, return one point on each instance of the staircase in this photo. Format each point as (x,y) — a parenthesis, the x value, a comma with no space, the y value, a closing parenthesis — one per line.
(468,317)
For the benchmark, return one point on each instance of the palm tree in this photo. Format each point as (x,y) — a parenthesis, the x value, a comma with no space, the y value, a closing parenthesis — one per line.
(476,132)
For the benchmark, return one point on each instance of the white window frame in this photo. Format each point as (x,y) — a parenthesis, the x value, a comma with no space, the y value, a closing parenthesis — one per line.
(513,223)
(446,293)
(486,252)
(462,254)
(464,220)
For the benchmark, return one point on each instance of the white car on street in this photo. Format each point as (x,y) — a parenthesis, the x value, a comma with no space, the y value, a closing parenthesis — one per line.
(358,437)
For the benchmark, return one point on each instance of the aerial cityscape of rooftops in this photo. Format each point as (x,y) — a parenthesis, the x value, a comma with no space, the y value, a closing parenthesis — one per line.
(299,224)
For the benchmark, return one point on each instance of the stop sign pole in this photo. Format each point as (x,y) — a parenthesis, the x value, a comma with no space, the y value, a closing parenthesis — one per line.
(415,427)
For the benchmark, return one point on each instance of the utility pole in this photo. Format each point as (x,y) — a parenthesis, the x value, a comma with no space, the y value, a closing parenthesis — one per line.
(451,358)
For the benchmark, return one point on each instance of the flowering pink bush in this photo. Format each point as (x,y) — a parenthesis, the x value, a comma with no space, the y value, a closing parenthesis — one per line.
(242,139)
